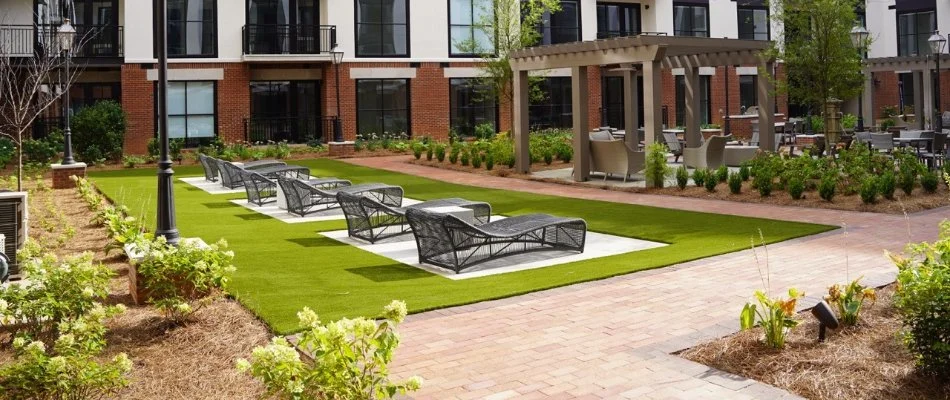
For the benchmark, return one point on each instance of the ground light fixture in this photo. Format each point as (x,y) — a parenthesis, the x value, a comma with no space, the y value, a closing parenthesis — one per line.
(66,36)
(826,319)
(937,43)
(859,37)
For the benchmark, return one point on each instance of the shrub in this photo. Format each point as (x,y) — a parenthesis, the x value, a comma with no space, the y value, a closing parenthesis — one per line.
(429,152)
(711,181)
(722,173)
(735,183)
(464,159)
(827,187)
(848,300)
(869,191)
(548,156)
(278,150)
(38,151)
(744,172)
(485,130)
(132,161)
(656,168)
(887,184)
(796,186)
(774,315)
(176,279)
(929,181)
(923,302)
(682,177)
(699,177)
(909,168)
(454,154)
(7,151)
(153,148)
(489,161)
(440,152)
(476,159)
(98,131)
(348,359)
(417,148)
(565,152)
(175,147)
(763,181)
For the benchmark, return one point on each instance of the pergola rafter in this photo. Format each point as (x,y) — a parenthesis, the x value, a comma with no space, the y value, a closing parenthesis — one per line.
(649,54)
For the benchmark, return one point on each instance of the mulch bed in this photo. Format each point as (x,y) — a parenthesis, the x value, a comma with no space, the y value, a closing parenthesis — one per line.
(866,361)
(193,361)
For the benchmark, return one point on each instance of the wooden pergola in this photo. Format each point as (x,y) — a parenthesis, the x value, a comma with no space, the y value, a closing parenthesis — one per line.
(923,70)
(650,54)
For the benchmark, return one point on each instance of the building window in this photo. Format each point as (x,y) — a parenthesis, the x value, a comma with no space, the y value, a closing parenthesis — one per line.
(753,23)
(382,106)
(382,28)
(748,92)
(563,26)
(468,32)
(284,110)
(554,111)
(913,30)
(191,110)
(612,102)
(470,105)
(691,20)
(192,28)
(614,20)
(704,103)
(905,82)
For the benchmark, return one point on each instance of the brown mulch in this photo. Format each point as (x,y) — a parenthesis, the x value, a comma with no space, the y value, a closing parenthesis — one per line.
(192,361)
(919,200)
(866,361)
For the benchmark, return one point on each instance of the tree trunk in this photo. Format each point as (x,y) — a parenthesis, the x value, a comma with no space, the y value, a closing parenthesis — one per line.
(19,169)
(832,116)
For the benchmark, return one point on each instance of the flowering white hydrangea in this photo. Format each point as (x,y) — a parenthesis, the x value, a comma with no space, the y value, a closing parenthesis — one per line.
(88,292)
(36,346)
(66,341)
(19,342)
(308,318)
(183,308)
(123,361)
(395,311)
(414,382)
(57,365)
(243,365)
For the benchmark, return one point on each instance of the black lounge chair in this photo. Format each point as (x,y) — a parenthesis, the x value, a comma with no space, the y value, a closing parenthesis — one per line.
(262,189)
(371,220)
(305,197)
(449,242)
(232,175)
(210,167)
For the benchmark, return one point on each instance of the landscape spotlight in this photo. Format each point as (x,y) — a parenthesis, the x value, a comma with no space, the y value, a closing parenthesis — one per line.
(826,319)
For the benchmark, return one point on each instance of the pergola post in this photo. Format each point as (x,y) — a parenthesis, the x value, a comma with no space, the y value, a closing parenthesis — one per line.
(868,94)
(919,110)
(766,109)
(631,119)
(652,102)
(693,114)
(580,109)
(926,111)
(520,122)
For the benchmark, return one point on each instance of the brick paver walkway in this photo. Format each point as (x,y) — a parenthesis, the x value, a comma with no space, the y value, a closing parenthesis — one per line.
(613,338)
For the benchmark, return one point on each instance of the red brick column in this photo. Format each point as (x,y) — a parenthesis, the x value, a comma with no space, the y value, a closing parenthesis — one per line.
(62,174)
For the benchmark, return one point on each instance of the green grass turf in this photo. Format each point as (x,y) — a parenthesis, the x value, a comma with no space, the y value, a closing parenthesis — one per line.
(284,267)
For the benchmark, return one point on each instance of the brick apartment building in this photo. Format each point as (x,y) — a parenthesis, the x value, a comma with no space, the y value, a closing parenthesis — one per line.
(261,70)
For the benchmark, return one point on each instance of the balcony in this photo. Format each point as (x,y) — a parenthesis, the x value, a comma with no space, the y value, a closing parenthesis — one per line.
(291,43)
(291,129)
(95,43)
(615,34)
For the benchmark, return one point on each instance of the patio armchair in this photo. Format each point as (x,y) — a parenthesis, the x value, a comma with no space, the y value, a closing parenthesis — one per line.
(674,144)
(446,241)
(882,142)
(615,157)
(370,220)
(936,155)
(304,198)
(709,155)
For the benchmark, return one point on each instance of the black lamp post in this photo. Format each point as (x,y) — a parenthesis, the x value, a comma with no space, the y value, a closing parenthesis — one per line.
(859,38)
(936,48)
(165,221)
(338,123)
(66,35)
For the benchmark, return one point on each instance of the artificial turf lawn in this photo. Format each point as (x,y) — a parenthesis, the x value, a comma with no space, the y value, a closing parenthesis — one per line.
(283,267)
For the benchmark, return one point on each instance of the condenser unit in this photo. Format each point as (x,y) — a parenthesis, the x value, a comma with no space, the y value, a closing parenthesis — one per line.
(14,217)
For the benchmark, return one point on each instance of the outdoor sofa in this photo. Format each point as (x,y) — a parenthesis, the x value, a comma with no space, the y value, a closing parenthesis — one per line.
(449,242)
(371,220)
(306,197)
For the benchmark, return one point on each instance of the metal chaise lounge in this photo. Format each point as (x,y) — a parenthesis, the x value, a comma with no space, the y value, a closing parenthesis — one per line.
(210,167)
(446,241)
(304,197)
(262,189)
(232,176)
(371,220)
(232,179)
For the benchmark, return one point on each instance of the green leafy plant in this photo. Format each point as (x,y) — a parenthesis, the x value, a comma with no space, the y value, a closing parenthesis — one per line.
(849,121)
(440,152)
(485,130)
(722,173)
(735,183)
(489,161)
(131,161)
(699,177)
(775,315)
(349,359)
(888,184)
(744,172)
(7,151)
(763,181)
(848,300)
(429,152)
(796,187)
(827,187)
(656,165)
(869,191)
(454,154)
(465,158)
(176,145)
(99,131)
(417,149)
(929,181)
(38,151)
(923,302)
(476,158)
(711,180)
(682,177)
(548,156)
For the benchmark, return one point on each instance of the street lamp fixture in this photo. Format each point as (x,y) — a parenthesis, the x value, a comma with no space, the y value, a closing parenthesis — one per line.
(859,39)
(165,224)
(937,43)
(66,36)
(338,122)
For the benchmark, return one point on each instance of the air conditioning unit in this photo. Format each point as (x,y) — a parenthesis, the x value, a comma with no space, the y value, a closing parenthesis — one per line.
(14,223)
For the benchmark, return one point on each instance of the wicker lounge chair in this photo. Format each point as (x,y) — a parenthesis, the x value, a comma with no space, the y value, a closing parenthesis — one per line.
(304,197)
(371,220)
(260,190)
(448,242)
(210,167)
(232,174)
(232,179)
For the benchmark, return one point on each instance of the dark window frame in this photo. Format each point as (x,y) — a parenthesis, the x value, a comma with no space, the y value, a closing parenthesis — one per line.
(214,36)
(356,32)
(550,118)
(753,9)
(474,26)
(691,6)
(602,34)
(609,108)
(755,90)
(547,17)
(897,27)
(705,99)
(189,142)
(359,107)
(453,107)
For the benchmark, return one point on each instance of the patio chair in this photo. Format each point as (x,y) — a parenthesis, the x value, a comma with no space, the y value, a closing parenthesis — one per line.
(882,142)
(615,157)
(210,167)
(260,190)
(446,241)
(936,155)
(709,155)
(231,175)
(370,220)
(674,144)
(304,198)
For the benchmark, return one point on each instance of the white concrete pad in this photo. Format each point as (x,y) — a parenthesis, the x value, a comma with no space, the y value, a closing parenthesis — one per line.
(403,249)
(272,210)
(210,187)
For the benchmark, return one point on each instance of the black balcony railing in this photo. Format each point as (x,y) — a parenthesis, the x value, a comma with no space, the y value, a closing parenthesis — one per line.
(289,39)
(291,129)
(613,34)
(92,41)
(42,127)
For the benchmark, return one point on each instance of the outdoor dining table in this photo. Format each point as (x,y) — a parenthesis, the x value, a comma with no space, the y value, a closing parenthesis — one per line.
(915,142)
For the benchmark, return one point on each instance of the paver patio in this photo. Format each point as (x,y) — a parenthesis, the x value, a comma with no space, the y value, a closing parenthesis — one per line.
(613,338)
